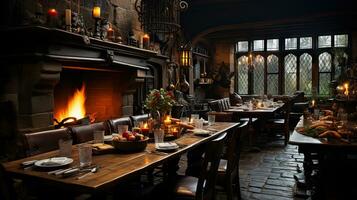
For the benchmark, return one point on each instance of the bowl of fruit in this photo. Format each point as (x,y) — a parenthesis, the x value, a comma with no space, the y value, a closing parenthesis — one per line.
(130,142)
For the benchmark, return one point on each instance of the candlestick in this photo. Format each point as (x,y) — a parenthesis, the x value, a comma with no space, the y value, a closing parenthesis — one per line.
(146,41)
(110,33)
(68,19)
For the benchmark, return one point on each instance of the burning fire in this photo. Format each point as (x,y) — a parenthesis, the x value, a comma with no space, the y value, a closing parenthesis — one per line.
(75,106)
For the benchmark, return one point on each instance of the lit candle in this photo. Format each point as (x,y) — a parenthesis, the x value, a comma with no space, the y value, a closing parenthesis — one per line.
(146,40)
(110,33)
(313,103)
(145,129)
(167,121)
(68,18)
(175,132)
(96,12)
(346,89)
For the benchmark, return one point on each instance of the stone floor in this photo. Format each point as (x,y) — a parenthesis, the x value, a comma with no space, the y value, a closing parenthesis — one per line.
(267,174)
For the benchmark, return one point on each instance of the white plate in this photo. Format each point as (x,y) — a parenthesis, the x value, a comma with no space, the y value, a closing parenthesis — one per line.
(166,146)
(201,132)
(54,162)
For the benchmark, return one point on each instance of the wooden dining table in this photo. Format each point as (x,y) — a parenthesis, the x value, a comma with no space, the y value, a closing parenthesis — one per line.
(263,112)
(114,167)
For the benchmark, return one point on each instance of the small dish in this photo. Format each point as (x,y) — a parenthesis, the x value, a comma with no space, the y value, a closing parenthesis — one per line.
(53,162)
(166,146)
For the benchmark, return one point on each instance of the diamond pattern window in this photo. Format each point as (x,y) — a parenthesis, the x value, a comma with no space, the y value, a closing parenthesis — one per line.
(306,43)
(290,73)
(325,66)
(243,46)
(290,43)
(243,75)
(258,64)
(341,40)
(306,73)
(273,45)
(258,45)
(324,41)
(272,74)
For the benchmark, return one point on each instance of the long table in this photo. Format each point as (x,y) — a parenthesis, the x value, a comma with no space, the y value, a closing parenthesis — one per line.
(115,167)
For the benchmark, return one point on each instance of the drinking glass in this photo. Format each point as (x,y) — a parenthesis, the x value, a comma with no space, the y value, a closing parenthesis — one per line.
(122,128)
(85,154)
(184,120)
(98,136)
(195,117)
(159,135)
(65,147)
(211,119)
(198,123)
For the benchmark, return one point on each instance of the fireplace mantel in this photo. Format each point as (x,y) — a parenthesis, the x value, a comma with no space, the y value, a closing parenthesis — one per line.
(49,44)
(33,58)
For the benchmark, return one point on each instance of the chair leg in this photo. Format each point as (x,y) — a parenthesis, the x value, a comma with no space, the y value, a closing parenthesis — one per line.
(228,188)
(238,185)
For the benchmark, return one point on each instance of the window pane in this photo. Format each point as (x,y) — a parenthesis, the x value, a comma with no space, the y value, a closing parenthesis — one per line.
(305,73)
(243,75)
(273,64)
(341,40)
(243,46)
(306,43)
(325,63)
(273,45)
(290,73)
(273,84)
(258,45)
(290,43)
(340,62)
(258,75)
(324,41)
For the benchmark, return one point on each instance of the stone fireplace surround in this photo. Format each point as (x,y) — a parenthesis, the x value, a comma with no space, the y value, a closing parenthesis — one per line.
(33,63)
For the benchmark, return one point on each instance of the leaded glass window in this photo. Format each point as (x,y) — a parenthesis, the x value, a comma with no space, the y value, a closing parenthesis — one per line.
(341,40)
(243,75)
(324,41)
(290,43)
(272,74)
(306,73)
(258,64)
(273,45)
(290,73)
(306,43)
(243,46)
(325,66)
(258,45)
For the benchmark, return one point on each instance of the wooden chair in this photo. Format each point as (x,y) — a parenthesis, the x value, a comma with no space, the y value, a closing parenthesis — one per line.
(188,187)
(139,118)
(281,123)
(44,141)
(228,171)
(113,123)
(81,134)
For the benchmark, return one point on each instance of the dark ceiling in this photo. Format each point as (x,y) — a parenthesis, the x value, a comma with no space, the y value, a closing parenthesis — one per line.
(226,17)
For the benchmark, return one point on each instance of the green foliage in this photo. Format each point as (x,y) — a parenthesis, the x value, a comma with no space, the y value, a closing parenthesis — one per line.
(159,100)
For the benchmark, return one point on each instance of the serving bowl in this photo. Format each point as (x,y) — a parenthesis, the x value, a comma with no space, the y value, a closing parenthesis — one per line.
(130,146)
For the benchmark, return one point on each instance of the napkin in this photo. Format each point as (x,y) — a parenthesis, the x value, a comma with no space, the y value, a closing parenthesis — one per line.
(54,161)
(167,145)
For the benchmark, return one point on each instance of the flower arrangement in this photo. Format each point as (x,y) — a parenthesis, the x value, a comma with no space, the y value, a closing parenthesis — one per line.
(160,101)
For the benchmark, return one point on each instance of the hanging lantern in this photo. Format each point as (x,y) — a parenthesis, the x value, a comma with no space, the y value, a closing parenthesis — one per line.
(185,56)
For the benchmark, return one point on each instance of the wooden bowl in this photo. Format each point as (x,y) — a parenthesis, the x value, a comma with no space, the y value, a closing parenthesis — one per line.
(130,146)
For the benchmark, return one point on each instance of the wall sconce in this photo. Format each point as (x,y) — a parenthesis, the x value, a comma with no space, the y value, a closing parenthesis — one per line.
(185,55)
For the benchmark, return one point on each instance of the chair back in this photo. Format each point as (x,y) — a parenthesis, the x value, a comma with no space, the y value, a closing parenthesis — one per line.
(214,105)
(233,150)
(85,133)
(44,141)
(139,118)
(207,180)
(113,123)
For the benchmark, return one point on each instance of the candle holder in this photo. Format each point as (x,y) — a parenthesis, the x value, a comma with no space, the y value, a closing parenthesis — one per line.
(97,28)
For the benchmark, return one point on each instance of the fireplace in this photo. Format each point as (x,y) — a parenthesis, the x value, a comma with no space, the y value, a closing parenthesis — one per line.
(44,67)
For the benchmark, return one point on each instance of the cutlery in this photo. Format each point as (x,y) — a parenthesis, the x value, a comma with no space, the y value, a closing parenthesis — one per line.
(59,171)
(28,163)
(93,170)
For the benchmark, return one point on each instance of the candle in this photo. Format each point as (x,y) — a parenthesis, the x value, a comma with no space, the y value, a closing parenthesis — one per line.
(175,132)
(145,129)
(52,12)
(110,33)
(96,12)
(346,89)
(167,121)
(68,18)
(313,103)
(146,40)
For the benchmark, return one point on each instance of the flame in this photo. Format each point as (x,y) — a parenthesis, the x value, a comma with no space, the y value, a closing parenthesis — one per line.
(75,106)
(145,125)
